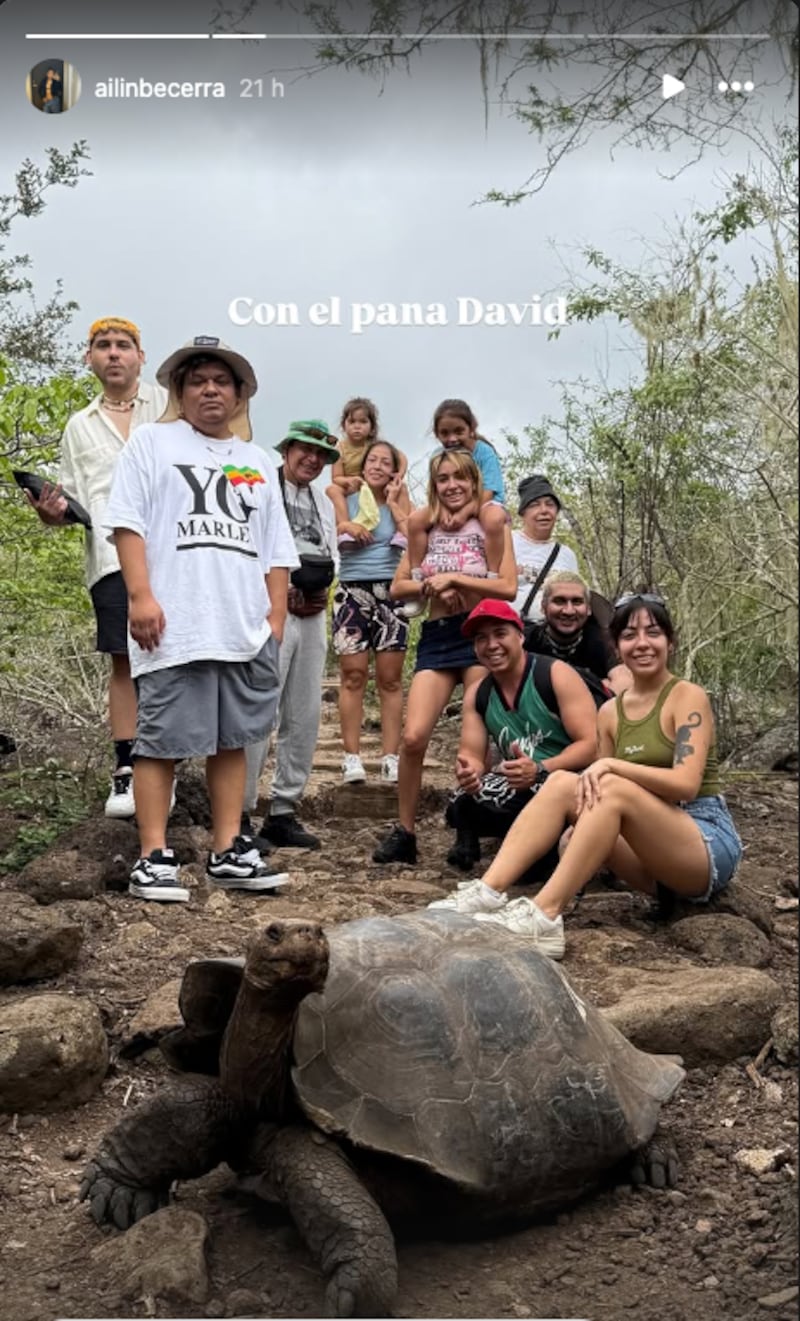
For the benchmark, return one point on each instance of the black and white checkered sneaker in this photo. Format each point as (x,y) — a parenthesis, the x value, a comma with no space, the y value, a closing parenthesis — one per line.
(156,877)
(241,867)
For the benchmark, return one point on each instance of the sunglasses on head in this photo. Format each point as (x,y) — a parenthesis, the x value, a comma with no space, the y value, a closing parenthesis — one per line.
(649,598)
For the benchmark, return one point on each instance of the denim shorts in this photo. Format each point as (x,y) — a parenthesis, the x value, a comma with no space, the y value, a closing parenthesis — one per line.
(721,839)
(441,646)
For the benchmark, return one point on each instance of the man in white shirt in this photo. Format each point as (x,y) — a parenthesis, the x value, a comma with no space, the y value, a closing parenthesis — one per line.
(92,442)
(536,550)
(205,551)
(305,449)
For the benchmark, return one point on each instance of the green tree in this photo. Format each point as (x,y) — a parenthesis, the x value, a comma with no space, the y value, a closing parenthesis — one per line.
(34,335)
(45,660)
(684,478)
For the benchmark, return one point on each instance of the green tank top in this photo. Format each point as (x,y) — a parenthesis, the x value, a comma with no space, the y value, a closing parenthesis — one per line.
(530,723)
(644,743)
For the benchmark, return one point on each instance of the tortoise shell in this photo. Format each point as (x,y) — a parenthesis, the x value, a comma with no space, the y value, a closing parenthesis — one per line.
(456,1045)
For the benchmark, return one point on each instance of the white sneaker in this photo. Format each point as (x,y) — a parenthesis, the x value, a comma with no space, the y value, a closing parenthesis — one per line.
(353,769)
(120,802)
(389,768)
(470,897)
(523,917)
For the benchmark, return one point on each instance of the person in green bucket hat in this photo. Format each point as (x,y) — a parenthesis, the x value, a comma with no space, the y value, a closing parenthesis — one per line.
(306,449)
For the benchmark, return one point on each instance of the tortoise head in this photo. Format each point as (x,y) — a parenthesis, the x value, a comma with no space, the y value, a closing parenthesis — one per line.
(285,961)
(288,958)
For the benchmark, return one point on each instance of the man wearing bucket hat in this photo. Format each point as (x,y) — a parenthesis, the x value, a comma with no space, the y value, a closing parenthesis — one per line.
(305,450)
(205,550)
(536,551)
(92,442)
(539,714)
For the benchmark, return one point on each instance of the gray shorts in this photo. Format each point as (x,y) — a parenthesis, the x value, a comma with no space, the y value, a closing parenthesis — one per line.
(206,706)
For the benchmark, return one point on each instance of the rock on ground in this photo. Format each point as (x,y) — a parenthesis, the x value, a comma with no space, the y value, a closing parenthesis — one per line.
(61,874)
(701,1014)
(163,1257)
(35,942)
(159,1014)
(723,938)
(784,1032)
(774,750)
(53,1053)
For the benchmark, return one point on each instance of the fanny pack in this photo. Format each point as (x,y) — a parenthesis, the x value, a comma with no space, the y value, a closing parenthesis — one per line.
(316,573)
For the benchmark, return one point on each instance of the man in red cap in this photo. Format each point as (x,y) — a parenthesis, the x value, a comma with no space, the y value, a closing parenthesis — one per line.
(538,712)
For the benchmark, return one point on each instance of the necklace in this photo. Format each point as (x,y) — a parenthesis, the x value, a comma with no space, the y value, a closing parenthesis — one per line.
(119,405)
(562,649)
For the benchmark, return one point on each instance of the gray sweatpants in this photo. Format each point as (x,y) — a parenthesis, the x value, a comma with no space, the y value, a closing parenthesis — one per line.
(302,661)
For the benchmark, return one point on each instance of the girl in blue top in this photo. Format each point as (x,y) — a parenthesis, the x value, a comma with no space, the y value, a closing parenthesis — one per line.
(455,426)
(365,618)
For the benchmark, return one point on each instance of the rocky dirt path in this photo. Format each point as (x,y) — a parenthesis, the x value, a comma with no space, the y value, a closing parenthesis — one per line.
(719,988)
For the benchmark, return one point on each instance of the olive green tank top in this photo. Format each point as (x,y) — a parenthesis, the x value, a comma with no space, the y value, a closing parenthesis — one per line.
(644,742)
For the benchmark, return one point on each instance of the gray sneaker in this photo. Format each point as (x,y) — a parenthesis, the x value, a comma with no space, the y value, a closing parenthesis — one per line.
(241,867)
(525,918)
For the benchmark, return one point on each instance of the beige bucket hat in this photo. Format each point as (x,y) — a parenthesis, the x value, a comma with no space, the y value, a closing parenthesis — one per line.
(212,347)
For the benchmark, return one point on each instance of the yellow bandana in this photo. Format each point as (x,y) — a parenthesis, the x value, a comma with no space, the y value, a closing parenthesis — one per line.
(115,323)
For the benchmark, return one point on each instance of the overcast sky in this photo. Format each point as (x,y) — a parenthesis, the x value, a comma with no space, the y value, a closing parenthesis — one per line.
(336,189)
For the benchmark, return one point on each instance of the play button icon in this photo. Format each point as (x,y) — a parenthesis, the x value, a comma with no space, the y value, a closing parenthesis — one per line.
(671,86)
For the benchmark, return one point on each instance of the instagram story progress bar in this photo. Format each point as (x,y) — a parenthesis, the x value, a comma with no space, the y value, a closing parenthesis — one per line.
(398,36)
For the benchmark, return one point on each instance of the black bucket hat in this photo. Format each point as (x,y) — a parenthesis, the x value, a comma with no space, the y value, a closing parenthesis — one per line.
(535,488)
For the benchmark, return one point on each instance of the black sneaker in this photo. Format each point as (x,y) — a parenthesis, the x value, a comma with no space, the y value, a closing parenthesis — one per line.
(286,832)
(466,851)
(399,846)
(156,877)
(248,831)
(240,868)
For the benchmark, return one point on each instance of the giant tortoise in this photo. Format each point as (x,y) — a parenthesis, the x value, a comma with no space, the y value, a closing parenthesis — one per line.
(458,1079)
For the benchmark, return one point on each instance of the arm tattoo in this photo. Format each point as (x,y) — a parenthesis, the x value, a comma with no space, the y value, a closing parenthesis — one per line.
(683,738)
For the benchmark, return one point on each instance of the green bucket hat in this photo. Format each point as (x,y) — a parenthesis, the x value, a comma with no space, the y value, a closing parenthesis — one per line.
(314,432)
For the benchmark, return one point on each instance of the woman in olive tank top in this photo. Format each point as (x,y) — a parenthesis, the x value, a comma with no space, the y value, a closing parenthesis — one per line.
(649,806)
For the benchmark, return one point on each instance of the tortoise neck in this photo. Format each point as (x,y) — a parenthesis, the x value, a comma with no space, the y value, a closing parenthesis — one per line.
(255,1058)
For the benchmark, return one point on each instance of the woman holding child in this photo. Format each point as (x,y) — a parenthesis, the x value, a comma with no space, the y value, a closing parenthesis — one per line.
(649,806)
(453,577)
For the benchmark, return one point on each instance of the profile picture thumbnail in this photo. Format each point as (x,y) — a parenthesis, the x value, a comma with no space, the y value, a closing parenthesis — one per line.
(53,86)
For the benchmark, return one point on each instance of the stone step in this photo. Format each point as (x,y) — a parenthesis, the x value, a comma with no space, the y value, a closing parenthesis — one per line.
(376,801)
(333,743)
(332,761)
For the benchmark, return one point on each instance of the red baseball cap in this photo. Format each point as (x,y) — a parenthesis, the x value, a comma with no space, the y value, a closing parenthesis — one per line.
(499,610)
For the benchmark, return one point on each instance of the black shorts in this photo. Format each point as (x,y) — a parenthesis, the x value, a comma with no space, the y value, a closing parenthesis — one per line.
(110,601)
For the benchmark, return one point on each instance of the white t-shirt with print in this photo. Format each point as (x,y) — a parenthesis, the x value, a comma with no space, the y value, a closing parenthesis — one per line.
(213,522)
(531,557)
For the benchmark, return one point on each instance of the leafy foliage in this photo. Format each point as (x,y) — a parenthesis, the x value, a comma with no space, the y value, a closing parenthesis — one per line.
(46,615)
(684,479)
(592,69)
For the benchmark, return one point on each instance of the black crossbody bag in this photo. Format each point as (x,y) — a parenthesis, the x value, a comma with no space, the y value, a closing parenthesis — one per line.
(530,624)
(316,572)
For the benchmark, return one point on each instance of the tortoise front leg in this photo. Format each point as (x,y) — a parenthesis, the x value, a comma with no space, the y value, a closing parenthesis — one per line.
(178,1135)
(343,1226)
